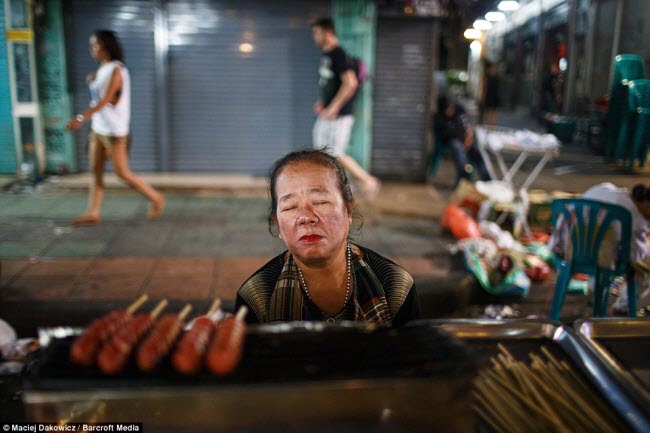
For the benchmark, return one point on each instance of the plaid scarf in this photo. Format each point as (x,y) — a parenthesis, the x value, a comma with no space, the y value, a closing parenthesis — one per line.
(288,304)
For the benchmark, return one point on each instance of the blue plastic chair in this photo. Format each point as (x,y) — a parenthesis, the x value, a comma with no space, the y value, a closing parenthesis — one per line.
(587,222)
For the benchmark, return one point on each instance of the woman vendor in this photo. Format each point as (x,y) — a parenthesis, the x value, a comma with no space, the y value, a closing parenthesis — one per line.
(322,276)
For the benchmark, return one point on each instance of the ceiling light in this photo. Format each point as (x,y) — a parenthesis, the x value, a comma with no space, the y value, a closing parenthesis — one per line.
(508,5)
(495,16)
(482,25)
(472,34)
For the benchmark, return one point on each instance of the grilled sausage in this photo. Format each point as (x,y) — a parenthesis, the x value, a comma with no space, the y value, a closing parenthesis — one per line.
(227,346)
(84,349)
(189,352)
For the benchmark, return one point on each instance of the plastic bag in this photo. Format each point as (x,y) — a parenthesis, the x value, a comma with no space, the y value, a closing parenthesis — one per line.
(500,280)
(459,223)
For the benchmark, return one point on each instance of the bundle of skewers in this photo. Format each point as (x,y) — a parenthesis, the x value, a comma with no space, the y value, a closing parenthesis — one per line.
(122,337)
(545,395)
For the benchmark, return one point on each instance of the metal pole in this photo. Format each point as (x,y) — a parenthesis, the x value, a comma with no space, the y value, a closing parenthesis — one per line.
(162,101)
(569,98)
(617,36)
(591,34)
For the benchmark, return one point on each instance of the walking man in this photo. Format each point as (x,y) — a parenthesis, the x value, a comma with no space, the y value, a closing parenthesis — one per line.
(338,85)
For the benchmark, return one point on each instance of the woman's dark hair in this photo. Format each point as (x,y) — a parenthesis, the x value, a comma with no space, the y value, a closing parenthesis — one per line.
(640,193)
(321,157)
(109,41)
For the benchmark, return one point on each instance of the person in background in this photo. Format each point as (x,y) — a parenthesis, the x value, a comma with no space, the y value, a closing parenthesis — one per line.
(490,100)
(109,115)
(322,276)
(637,202)
(338,85)
(453,130)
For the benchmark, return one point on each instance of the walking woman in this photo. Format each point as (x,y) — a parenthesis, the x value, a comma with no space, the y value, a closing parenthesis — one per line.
(109,115)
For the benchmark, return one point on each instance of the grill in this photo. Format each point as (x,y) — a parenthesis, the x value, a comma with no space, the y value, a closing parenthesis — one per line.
(293,377)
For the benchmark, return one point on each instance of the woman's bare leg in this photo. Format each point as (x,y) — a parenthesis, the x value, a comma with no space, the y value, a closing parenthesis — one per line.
(97,158)
(121,166)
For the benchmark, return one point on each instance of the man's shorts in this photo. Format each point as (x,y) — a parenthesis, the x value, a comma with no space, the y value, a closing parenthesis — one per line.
(333,134)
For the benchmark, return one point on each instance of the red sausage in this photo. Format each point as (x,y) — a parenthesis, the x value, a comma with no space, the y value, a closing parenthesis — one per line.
(190,349)
(83,350)
(115,354)
(159,341)
(226,347)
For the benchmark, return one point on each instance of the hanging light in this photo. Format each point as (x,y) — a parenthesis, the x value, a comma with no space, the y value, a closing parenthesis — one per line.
(482,25)
(495,16)
(472,34)
(508,5)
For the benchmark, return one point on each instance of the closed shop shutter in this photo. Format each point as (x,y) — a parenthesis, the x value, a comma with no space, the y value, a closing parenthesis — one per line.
(234,107)
(402,87)
(134,23)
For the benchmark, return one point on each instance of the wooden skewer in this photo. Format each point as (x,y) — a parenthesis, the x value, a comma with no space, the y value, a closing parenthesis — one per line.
(214,307)
(137,304)
(184,312)
(159,308)
(488,419)
(241,314)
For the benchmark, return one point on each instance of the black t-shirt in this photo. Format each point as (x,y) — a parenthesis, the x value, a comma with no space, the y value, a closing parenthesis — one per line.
(332,65)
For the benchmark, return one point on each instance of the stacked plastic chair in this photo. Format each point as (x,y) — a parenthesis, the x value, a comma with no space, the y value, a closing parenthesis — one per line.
(627,67)
(638,144)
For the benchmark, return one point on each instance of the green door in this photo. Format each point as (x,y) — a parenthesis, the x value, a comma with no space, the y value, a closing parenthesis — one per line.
(355,22)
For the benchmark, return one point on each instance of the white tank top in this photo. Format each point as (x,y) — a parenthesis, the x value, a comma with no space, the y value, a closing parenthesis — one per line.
(112,120)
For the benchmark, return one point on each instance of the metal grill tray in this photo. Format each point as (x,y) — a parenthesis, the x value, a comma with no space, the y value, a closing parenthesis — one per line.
(521,337)
(282,353)
(293,378)
(622,346)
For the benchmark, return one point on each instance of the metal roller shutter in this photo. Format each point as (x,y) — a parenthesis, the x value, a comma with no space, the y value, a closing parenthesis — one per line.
(134,23)
(402,88)
(235,111)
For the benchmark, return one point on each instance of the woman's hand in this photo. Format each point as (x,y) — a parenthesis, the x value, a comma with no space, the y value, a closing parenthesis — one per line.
(73,124)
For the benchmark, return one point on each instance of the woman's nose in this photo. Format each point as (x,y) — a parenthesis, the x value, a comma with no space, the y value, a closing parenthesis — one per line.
(307,215)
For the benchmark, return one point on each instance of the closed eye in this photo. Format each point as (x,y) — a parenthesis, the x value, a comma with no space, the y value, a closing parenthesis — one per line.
(320,202)
(287,208)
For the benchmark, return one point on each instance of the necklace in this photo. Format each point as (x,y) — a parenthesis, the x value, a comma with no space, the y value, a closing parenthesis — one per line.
(347,287)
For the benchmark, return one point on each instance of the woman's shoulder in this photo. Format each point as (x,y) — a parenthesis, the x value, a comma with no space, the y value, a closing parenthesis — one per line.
(258,288)
(395,280)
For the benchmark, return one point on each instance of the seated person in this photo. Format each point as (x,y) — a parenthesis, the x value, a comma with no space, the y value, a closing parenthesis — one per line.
(638,203)
(452,128)
(322,276)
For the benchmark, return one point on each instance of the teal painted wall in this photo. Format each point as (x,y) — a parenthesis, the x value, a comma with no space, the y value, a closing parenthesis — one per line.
(7,144)
(54,97)
(355,22)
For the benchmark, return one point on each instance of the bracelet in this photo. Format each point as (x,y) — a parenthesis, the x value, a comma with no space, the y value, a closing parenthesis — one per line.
(80,118)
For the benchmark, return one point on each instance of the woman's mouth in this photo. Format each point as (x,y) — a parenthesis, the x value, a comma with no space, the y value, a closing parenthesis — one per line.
(311,238)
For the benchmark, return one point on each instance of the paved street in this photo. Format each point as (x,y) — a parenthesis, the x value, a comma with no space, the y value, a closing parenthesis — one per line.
(213,234)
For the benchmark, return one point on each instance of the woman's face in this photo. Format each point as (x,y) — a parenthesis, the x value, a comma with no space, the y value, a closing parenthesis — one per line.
(96,49)
(312,217)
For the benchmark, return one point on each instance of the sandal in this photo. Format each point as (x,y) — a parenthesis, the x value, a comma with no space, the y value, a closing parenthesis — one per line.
(86,220)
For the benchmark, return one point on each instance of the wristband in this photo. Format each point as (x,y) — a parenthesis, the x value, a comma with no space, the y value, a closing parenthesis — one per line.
(80,118)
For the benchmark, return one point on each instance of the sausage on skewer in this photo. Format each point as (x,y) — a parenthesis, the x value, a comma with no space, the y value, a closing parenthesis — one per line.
(160,340)
(115,353)
(84,349)
(228,344)
(190,349)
